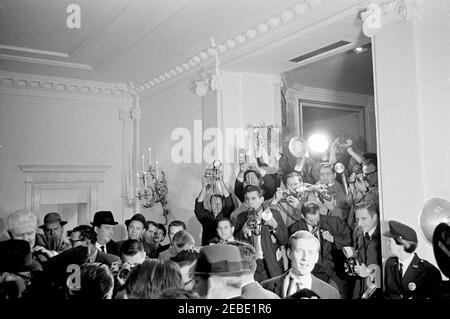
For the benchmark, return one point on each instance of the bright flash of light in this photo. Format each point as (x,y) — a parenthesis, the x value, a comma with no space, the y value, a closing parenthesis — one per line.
(318,143)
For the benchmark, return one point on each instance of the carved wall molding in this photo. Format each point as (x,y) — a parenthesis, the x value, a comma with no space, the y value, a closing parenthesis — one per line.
(233,43)
(14,80)
(383,12)
(80,183)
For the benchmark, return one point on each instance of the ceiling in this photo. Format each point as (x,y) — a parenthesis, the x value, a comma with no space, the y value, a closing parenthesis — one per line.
(347,72)
(136,40)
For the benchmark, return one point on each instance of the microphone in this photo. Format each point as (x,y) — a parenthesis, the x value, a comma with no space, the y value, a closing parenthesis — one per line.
(369,291)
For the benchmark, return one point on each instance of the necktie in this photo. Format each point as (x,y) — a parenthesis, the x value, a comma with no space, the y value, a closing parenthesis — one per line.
(366,239)
(102,248)
(400,271)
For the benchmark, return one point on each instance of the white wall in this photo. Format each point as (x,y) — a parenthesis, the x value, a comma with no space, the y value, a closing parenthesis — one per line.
(39,128)
(411,73)
(175,107)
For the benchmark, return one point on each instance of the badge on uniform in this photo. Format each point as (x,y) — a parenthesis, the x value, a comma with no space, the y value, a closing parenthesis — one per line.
(412,286)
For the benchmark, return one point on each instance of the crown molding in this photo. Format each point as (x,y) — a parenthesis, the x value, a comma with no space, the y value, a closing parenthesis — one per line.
(71,65)
(30,84)
(233,43)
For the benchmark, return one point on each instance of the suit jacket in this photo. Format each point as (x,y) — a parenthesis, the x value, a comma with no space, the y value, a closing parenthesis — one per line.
(207,219)
(269,247)
(331,258)
(421,280)
(113,248)
(106,259)
(254,290)
(320,287)
(368,255)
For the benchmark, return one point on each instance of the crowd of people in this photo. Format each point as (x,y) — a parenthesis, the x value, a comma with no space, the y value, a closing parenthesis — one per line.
(302,232)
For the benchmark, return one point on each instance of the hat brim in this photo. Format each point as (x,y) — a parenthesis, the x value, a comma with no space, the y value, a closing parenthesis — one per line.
(110,223)
(63,222)
(34,266)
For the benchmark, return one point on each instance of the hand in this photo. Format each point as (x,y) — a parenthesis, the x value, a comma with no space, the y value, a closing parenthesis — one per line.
(205,182)
(361,185)
(362,271)
(348,144)
(48,253)
(246,231)
(278,196)
(271,223)
(327,236)
(330,205)
(243,167)
(294,202)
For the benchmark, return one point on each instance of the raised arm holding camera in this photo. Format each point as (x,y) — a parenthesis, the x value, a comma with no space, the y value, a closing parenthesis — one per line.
(221,206)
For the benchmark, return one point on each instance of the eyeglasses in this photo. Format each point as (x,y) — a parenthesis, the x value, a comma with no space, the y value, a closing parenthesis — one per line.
(369,174)
(74,241)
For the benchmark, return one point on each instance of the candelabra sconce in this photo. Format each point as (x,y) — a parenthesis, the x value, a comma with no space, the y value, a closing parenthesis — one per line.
(152,188)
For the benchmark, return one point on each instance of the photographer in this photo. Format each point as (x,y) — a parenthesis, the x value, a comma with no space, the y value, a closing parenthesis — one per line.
(363,188)
(337,206)
(221,207)
(289,206)
(253,174)
(367,245)
(265,230)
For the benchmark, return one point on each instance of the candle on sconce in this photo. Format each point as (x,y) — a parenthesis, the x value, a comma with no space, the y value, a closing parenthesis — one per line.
(157,169)
(143,163)
(138,182)
(149,156)
(145,179)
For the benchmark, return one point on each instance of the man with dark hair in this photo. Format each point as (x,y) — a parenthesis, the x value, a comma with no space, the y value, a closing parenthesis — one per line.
(367,246)
(221,207)
(289,206)
(265,230)
(250,174)
(104,227)
(174,227)
(251,289)
(186,260)
(225,230)
(86,236)
(182,240)
(406,275)
(333,234)
(303,251)
(132,252)
(337,205)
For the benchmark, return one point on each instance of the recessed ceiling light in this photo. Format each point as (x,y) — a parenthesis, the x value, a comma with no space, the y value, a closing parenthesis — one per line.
(359,50)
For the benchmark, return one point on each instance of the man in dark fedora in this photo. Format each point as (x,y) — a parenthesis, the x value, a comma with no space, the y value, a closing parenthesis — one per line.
(53,228)
(406,275)
(136,227)
(218,272)
(104,227)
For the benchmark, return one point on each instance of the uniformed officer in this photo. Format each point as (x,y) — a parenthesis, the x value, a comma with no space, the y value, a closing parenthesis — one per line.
(406,275)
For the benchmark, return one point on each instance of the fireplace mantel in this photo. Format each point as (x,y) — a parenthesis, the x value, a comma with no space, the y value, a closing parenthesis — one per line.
(73,184)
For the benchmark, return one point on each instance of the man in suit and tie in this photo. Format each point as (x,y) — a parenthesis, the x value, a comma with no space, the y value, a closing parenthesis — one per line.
(251,289)
(265,230)
(367,245)
(406,275)
(333,234)
(303,251)
(104,227)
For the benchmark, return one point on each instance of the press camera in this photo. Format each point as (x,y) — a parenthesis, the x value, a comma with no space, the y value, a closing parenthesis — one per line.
(214,174)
